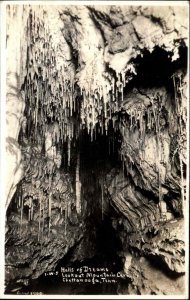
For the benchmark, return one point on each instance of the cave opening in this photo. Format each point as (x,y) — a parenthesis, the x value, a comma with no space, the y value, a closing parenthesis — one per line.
(101,153)
(97,158)
(97,149)
(98,155)
(53,125)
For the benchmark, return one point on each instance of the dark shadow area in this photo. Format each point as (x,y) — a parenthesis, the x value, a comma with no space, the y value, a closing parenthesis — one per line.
(159,264)
(97,157)
(155,69)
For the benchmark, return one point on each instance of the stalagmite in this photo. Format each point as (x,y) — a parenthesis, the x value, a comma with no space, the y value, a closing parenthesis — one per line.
(78,186)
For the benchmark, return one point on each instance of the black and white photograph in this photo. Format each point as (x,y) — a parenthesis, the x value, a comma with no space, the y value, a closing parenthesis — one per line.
(94,149)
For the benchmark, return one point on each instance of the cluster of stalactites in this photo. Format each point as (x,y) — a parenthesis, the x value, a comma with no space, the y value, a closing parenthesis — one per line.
(53,99)
(181,112)
(37,196)
(49,93)
(147,118)
(52,96)
(99,105)
(144,119)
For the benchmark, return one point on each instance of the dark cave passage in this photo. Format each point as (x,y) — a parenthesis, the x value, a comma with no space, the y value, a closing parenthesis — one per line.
(107,245)
(99,154)
(97,158)
(97,114)
(157,68)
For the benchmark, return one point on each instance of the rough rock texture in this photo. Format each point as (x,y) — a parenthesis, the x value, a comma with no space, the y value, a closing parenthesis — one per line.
(15,105)
(145,257)
(80,68)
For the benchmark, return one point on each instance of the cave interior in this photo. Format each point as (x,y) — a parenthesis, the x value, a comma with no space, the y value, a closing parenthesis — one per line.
(79,175)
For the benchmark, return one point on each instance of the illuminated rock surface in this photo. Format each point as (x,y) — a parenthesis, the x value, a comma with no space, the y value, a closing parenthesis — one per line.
(96,116)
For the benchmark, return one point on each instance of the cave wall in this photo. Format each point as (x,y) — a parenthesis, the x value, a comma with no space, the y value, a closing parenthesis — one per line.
(74,67)
(89,60)
(14,100)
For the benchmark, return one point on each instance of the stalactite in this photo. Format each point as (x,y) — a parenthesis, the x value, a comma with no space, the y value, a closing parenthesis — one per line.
(91,133)
(149,111)
(95,103)
(122,92)
(69,151)
(29,210)
(156,119)
(102,128)
(46,79)
(95,132)
(78,186)
(19,199)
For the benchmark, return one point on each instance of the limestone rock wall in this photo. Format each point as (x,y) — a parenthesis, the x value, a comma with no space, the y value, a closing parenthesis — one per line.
(74,68)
